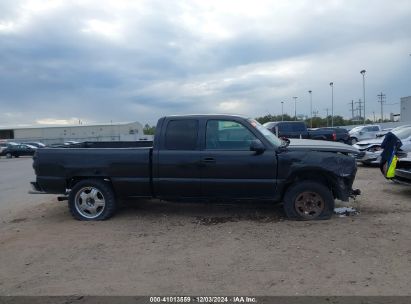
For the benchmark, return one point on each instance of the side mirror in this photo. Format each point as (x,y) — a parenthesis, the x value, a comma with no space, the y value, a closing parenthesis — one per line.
(361,132)
(257,146)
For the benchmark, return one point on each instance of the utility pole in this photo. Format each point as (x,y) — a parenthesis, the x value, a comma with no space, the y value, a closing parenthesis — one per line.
(332,103)
(359,108)
(381,100)
(327,115)
(282,111)
(311,106)
(363,90)
(295,107)
(352,109)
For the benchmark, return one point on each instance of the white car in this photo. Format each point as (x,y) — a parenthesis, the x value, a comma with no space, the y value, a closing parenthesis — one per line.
(4,145)
(370,150)
(363,132)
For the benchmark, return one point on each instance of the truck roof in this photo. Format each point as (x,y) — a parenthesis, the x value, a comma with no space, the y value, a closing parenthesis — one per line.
(207,116)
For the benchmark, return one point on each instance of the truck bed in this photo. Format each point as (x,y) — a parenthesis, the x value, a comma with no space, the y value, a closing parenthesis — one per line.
(56,168)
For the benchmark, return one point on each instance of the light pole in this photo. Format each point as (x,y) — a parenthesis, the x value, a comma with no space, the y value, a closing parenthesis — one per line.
(282,111)
(332,103)
(295,108)
(311,106)
(327,115)
(363,90)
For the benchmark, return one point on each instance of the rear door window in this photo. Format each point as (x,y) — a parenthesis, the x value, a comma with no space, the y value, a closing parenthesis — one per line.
(182,134)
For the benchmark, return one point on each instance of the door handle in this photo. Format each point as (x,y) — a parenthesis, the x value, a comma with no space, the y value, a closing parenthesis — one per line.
(208,160)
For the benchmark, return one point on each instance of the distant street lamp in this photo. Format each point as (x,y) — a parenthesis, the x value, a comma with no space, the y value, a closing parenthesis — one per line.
(295,108)
(311,107)
(282,111)
(332,103)
(363,90)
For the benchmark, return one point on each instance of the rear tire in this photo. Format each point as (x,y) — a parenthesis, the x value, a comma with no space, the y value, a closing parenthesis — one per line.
(92,200)
(306,200)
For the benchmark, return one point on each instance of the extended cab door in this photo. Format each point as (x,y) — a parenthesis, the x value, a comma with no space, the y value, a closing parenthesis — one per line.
(229,168)
(177,173)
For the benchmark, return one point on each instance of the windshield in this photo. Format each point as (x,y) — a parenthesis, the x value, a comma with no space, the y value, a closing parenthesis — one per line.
(402,133)
(267,134)
(356,129)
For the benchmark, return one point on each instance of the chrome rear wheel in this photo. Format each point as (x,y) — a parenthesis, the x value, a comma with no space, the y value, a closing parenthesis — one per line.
(90,202)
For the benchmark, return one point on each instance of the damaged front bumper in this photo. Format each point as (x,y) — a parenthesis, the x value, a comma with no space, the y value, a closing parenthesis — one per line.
(344,191)
(403,176)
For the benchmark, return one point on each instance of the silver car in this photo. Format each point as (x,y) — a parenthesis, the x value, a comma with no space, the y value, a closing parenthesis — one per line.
(370,150)
(363,132)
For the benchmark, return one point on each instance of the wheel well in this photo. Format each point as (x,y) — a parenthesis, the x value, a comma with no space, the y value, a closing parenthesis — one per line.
(313,176)
(74,180)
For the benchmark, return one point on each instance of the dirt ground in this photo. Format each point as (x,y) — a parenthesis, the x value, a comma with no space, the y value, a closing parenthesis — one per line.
(158,248)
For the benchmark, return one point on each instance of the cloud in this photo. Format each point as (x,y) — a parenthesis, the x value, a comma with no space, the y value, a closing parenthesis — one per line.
(53,121)
(140,60)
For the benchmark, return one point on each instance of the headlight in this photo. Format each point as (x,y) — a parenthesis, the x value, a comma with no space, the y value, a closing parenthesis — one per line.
(374,149)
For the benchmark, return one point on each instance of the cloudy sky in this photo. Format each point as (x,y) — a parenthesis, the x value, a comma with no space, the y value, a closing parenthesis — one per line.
(101,61)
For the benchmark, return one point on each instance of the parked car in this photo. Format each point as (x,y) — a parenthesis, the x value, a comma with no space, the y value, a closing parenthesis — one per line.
(383,132)
(341,134)
(403,171)
(363,132)
(202,157)
(17,150)
(71,142)
(298,129)
(371,149)
(35,144)
(3,146)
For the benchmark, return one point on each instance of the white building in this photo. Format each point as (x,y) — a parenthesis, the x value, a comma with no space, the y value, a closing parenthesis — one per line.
(406,109)
(59,134)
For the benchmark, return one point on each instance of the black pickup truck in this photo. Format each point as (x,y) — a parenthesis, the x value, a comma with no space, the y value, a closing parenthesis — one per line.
(298,129)
(201,157)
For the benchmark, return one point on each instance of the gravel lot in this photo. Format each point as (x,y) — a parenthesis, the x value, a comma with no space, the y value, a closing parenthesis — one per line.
(158,248)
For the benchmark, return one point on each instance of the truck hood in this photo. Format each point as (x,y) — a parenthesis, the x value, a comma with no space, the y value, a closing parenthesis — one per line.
(321,145)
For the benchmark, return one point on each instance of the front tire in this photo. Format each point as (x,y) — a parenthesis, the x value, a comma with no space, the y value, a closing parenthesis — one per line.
(9,155)
(306,200)
(354,140)
(92,200)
